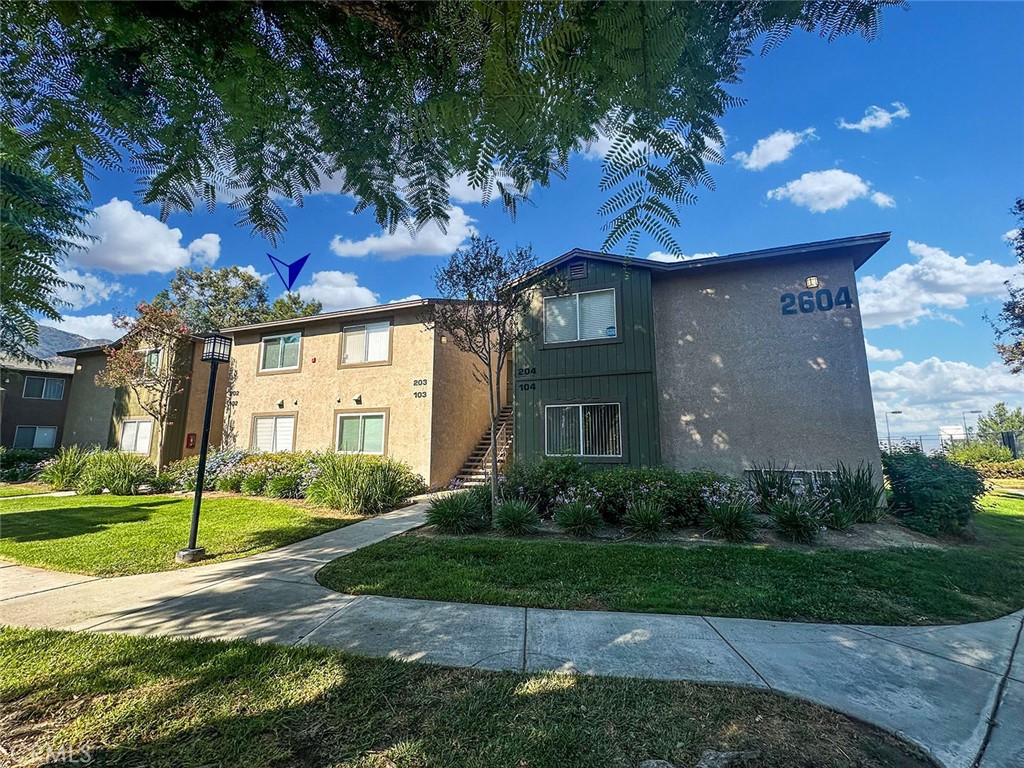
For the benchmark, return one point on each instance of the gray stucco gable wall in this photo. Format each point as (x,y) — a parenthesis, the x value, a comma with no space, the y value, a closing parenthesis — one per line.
(739,382)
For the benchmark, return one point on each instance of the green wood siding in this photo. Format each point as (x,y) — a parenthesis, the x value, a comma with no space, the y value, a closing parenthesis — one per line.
(620,371)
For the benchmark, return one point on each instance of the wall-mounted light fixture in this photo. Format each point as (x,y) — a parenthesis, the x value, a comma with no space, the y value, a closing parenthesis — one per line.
(280,403)
(295,402)
(358,399)
(811,282)
(444,339)
(78,367)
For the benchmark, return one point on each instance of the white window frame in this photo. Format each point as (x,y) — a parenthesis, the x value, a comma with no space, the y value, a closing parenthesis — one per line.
(298,358)
(42,394)
(361,416)
(146,352)
(366,343)
(275,448)
(581,406)
(576,295)
(36,427)
(135,450)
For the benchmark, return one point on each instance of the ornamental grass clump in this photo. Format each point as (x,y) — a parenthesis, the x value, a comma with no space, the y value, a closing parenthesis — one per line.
(361,484)
(799,518)
(63,471)
(772,483)
(645,520)
(854,493)
(456,513)
(121,473)
(516,518)
(730,512)
(578,518)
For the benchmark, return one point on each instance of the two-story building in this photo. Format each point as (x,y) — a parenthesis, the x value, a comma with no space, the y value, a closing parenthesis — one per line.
(34,402)
(376,380)
(717,362)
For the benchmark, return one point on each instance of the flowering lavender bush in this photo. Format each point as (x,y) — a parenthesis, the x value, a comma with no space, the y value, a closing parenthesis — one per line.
(772,483)
(801,516)
(541,482)
(729,511)
(578,518)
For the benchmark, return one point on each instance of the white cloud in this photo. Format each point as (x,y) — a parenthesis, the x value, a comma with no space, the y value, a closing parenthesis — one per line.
(1010,236)
(821,191)
(672,257)
(133,243)
(91,290)
(460,190)
(338,290)
(877,117)
(935,392)
(249,268)
(881,355)
(413,297)
(429,241)
(773,149)
(90,326)
(928,288)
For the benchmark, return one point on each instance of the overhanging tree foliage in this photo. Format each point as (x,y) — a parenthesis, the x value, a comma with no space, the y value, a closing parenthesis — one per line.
(1009,325)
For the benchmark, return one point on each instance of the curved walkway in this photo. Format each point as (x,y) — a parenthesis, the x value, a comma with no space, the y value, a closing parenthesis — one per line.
(939,687)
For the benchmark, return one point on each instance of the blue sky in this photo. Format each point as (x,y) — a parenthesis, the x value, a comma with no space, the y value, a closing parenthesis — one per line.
(919,132)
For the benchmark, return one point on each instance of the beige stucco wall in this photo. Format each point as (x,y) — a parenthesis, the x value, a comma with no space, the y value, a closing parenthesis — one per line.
(89,406)
(739,382)
(195,403)
(319,389)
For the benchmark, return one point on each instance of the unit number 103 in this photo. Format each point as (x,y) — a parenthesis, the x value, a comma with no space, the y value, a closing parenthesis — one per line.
(820,301)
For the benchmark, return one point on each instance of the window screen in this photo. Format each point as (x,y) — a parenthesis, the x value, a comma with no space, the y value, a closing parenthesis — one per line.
(33,387)
(273,433)
(580,317)
(136,436)
(592,430)
(35,437)
(361,433)
(368,343)
(561,320)
(53,389)
(280,352)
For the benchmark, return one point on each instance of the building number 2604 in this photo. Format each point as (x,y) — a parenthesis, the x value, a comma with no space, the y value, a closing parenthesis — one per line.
(821,301)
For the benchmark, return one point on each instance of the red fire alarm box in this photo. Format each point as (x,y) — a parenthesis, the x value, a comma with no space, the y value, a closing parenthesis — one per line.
(190,440)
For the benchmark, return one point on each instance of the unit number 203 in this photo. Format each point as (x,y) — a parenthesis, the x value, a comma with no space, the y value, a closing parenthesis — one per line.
(820,301)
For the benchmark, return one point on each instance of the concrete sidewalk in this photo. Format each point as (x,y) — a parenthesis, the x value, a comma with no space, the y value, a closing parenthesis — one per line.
(935,686)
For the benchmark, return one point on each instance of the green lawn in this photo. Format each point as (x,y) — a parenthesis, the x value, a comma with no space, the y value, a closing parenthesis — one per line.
(7,490)
(114,535)
(157,702)
(972,581)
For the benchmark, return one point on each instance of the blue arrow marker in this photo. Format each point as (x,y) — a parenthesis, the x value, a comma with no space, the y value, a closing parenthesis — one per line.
(293,269)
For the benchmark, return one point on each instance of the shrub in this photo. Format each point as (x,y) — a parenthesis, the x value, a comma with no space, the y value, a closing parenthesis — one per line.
(931,494)
(119,472)
(456,513)
(20,464)
(645,520)
(542,482)
(730,512)
(63,470)
(976,453)
(798,518)
(677,494)
(286,486)
(481,495)
(361,484)
(252,484)
(692,506)
(771,483)
(1006,470)
(578,518)
(164,483)
(853,495)
(516,517)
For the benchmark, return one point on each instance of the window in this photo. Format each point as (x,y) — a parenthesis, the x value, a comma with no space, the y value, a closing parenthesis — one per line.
(35,437)
(583,430)
(151,360)
(273,433)
(361,433)
(43,388)
(367,343)
(280,353)
(136,436)
(580,317)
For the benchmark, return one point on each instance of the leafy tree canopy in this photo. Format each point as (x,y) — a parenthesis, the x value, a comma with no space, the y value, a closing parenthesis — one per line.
(1000,419)
(1009,325)
(256,102)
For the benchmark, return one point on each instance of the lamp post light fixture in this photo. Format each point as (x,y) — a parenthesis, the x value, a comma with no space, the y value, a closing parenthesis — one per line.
(888,435)
(216,350)
(967,435)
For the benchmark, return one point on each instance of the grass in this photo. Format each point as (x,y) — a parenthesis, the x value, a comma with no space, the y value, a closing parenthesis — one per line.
(158,702)
(115,535)
(968,581)
(9,490)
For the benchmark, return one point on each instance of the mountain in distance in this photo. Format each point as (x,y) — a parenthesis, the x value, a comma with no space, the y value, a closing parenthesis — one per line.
(53,340)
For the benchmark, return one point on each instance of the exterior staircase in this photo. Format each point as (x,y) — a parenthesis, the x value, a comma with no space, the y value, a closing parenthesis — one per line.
(477,468)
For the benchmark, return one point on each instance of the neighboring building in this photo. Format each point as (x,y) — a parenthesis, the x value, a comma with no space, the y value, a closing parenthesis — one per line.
(113,418)
(374,380)
(34,403)
(720,362)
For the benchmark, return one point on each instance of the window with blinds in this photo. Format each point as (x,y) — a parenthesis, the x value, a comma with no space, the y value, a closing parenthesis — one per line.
(361,432)
(585,316)
(367,343)
(43,388)
(273,433)
(587,430)
(35,437)
(280,352)
(136,436)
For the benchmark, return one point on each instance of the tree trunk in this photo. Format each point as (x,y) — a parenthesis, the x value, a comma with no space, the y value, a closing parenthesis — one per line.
(160,447)
(494,380)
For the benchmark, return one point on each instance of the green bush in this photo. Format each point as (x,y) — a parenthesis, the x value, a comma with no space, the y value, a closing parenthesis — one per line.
(361,484)
(164,483)
(578,518)
(542,482)
(976,453)
(1003,470)
(119,472)
(62,471)
(798,518)
(677,494)
(853,495)
(252,484)
(931,494)
(481,495)
(456,513)
(771,482)
(645,520)
(286,486)
(516,517)
(20,464)
(730,512)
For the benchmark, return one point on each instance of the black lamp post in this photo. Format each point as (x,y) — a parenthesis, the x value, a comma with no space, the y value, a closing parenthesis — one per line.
(216,350)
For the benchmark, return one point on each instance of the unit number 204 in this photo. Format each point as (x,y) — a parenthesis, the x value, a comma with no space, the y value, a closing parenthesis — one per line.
(821,301)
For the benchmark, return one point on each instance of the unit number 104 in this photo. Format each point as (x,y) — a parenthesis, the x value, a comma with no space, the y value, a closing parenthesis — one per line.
(821,301)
